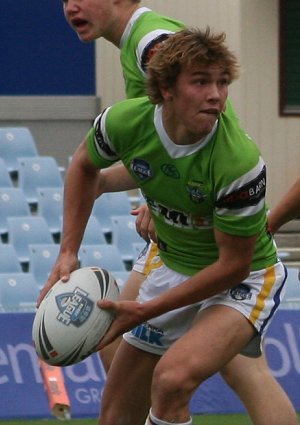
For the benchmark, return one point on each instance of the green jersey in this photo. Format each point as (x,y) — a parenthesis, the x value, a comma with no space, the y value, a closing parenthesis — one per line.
(143,33)
(191,189)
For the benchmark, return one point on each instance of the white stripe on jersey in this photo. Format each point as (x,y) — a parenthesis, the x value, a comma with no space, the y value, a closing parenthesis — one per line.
(238,184)
(144,42)
(102,142)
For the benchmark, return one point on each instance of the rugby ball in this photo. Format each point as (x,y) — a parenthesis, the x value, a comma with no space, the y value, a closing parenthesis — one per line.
(68,324)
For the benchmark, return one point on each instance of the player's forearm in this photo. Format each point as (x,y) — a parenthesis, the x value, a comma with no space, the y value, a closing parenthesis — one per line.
(79,194)
(212,280)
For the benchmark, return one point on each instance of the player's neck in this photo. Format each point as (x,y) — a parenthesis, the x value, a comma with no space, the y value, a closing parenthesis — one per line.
(124,15)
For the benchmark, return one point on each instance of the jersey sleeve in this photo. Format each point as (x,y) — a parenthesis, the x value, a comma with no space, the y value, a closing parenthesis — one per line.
(100,148)
(148,45)
(240,207)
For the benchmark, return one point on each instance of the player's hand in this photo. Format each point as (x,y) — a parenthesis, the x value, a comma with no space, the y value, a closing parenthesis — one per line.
(63,266)
(144,223)
(128,314)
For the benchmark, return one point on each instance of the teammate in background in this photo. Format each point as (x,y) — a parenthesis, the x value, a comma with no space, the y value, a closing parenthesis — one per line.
(137,32)
(287,209)
(186,134)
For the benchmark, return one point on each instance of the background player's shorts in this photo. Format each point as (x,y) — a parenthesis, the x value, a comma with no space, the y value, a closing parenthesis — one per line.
(257,298)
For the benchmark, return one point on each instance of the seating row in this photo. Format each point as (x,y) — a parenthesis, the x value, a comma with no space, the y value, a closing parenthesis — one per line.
(19,290)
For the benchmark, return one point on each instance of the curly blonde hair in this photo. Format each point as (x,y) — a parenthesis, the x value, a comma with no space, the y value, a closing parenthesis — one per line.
(184,48)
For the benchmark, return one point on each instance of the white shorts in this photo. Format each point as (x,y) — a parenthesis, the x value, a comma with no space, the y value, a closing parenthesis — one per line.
(257,298)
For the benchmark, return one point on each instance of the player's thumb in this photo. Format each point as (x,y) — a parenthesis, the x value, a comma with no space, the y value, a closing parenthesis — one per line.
(106,304)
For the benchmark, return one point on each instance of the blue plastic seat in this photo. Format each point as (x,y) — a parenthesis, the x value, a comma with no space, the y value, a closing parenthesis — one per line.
(102,255)
(50,206)
(23,231)
(36,173)
(93,232)
(9,261)
(5,178)
(13,203)
(108,204)
(124,234)
(41,261)
(16,142)
(18,292)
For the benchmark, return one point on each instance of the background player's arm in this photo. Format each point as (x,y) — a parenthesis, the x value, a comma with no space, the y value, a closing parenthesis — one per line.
(287,209)
(115,179)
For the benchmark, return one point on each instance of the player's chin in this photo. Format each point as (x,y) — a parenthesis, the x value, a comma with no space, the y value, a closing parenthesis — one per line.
(85,36)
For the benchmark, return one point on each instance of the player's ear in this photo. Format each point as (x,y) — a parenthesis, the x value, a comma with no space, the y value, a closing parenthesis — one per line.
(167,93)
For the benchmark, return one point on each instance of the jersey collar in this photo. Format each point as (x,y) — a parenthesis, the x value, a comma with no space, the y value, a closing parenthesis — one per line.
(131,22)
(178,151)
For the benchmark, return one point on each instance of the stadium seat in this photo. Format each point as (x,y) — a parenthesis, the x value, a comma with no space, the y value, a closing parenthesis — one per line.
(5,179)
(37,173)
(50,206)
(23,231)
(108,204)
(93,232)
(13,203)
(41,260)
(18,292)
(16,142)
(124,234)
(101,255)
(9,261)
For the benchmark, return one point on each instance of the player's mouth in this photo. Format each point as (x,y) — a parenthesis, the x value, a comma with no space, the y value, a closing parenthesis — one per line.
(211,111)
(78,23)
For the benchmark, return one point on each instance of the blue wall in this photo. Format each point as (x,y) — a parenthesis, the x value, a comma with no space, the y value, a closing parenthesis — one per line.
(40,54)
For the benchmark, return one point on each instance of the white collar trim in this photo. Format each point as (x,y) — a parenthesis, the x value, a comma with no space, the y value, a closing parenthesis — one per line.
(174,150)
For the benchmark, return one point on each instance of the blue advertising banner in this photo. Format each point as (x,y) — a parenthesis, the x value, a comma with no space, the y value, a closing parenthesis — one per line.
(23,394)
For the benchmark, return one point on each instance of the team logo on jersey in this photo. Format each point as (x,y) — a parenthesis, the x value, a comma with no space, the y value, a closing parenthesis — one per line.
(150,50)
(170,171)
(241,292)
(74,307)
(196,192)
(141,169)
(249,194)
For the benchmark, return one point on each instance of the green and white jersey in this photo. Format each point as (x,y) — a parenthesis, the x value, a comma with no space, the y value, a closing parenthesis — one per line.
(217,183)
(142,35)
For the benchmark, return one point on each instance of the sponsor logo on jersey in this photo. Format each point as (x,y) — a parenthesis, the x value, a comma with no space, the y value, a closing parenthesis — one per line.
(241,292)
(249,194)
(178,218)
(170,171)
(100,142)
(148,333)
(195,190)
(141,169)
(74,307)
(150,50)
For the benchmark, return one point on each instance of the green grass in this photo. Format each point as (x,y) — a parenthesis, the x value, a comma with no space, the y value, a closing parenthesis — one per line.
(197,420)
